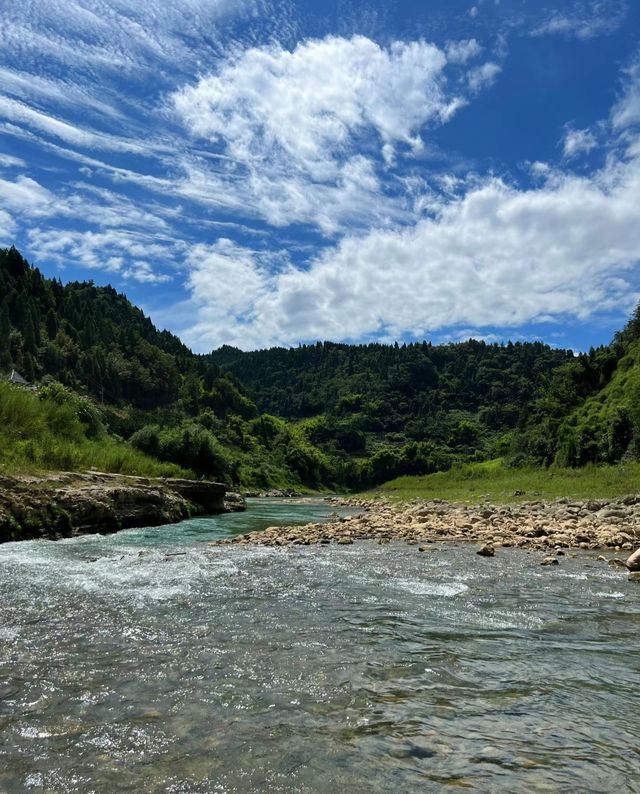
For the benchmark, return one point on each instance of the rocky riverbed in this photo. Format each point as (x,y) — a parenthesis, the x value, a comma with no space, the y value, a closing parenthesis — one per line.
(65,504)
(549,527)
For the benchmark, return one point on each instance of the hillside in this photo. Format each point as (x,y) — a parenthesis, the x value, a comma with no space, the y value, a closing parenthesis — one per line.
(140,397)
(323,416)
(400,409)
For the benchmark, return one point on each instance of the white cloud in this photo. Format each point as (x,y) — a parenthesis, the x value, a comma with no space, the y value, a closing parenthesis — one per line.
(20,113)
(27,196)
(116,35)
(496,257)
(483,76)
(9,161)
(308,104)
(120,251)
(584,20)
(143,273)
(626,112)
(8,228)
(462,51)
(577,142)
(297,127)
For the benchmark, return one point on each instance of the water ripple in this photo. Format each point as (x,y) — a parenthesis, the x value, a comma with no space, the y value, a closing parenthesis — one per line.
(150,662)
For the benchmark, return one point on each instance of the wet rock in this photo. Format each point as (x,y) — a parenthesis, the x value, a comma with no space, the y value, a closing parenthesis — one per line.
(486,551)
(550,561)
(67,504)
(633,563)
(234,503)
(614,562)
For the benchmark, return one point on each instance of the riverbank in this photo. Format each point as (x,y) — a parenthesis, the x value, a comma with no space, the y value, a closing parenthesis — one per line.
(66,504)
(495,482)
(549,527)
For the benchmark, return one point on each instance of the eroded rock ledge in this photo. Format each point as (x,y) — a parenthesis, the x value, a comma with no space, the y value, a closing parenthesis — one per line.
(67,504)
(546,526)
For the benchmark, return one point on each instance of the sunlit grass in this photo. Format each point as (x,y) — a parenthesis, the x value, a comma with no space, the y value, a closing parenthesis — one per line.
(493,482)
(40,435)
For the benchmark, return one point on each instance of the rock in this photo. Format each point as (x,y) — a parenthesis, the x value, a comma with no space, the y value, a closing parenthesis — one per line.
(234,503)
(634,576)
(633,563)
(66,504)
(486,551)
(344,541)
(550,561)
(614,562)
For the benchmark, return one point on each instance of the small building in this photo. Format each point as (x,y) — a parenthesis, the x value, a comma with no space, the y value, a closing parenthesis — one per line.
(16,378)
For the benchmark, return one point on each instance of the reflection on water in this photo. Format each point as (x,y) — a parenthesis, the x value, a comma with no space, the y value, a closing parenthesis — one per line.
(148,661)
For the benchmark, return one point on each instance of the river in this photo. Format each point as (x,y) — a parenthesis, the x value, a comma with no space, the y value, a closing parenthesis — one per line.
(148,661)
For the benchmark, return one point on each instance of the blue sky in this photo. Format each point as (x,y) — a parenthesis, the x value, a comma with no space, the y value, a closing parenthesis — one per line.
(261,172)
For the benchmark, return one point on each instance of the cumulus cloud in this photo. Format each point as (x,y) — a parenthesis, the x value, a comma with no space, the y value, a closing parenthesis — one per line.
(307,104)
(463,51)
(483,76)
(298,126)
(143,273)
(496,257)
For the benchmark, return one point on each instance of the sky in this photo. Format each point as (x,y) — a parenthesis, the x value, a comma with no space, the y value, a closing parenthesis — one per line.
(276,172)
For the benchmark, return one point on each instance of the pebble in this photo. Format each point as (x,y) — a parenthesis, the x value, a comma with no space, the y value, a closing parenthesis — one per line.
(554,528)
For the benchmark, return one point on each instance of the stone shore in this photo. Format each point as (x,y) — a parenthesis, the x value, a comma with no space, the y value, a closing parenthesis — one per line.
(66,504)
(549,527)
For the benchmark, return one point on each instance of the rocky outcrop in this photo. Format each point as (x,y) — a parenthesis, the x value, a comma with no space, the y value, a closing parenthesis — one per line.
(234,503)
(67,504)
(548,527)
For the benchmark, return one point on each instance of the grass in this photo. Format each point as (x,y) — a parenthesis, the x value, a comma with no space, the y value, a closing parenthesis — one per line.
(41,435)
(492,482)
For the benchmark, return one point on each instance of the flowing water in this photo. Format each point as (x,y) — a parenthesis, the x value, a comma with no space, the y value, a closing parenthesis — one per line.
(150,662)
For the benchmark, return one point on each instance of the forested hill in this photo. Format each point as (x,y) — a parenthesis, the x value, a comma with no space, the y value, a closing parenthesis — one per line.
(93,339)
(425,407)
(132,388)
(331,415)
(393,385)
(464,400)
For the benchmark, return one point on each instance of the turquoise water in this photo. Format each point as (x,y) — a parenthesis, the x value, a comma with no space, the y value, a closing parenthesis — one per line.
(150,662)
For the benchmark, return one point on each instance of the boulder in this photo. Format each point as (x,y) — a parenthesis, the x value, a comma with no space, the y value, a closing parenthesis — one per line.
(486,551)
(633,563)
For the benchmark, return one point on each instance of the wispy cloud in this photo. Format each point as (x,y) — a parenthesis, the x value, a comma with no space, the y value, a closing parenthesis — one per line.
(576,142)
(584,20)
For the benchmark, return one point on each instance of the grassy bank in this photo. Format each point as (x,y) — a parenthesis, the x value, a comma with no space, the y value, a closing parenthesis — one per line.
(492,482)
(62,432)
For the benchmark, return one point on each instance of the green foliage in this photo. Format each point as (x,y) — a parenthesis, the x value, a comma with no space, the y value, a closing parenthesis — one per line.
(377,411)
(189,444)
(321,416)
(39,433)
